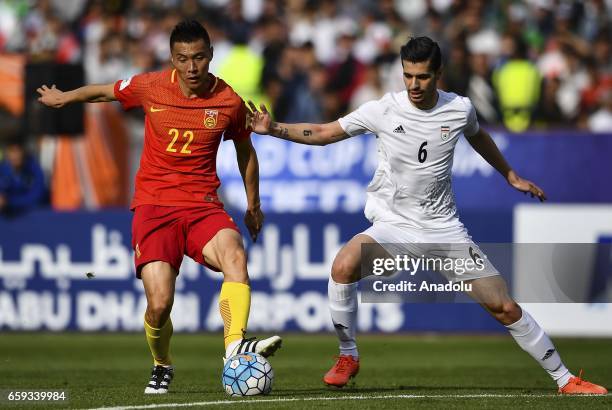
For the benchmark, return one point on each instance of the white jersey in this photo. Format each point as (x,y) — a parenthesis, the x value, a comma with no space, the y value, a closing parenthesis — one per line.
(412,184)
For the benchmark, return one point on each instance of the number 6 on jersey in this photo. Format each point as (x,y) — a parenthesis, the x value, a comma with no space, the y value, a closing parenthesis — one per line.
(422,152)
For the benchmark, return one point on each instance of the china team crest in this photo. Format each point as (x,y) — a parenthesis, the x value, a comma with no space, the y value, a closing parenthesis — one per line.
(445,132)
(210,118)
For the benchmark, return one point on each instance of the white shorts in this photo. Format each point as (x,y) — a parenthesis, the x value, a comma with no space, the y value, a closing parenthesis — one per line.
(454,247)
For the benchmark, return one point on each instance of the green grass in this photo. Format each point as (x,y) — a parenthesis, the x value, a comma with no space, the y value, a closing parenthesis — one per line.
(112,370)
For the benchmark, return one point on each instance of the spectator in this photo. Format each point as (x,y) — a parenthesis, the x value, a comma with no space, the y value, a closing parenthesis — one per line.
(572,83)
(308,98)
(273,43)
(318,23)
(220,42)
(258,48)
(111,61)
(517,83)
(601,120)
(304,85)
(601,51)
(371,89)
(22,185)
(456,74)
(549,113)
(598,84)
(242,67)
(480,89)
(10,124)
(374,41)
(346,73)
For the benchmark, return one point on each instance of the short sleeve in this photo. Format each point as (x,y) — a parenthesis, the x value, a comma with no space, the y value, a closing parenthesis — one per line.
(129,92)
(238,130)
(362,120)
(472,125)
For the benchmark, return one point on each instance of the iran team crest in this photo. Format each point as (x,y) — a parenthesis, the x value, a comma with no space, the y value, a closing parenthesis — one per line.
(445,132)
(210,118)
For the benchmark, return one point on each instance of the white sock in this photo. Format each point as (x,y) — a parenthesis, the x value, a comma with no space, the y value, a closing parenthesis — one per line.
(532,339)
(343,308)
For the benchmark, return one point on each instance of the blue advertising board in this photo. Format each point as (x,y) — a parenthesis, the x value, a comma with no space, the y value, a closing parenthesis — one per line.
(570,167)
(45,258)
(313,198)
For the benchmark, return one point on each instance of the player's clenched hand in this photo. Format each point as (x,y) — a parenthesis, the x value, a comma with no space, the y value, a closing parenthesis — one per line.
(253,219)
(259,120)
(526,186)
(51,97)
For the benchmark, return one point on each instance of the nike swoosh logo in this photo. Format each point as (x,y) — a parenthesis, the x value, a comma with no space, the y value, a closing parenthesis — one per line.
(153,109)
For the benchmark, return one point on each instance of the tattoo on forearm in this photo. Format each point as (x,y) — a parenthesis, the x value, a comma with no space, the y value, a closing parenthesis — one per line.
(307,133)
(279,131)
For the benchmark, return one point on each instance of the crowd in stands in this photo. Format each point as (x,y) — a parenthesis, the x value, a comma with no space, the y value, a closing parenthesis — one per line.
(525,64)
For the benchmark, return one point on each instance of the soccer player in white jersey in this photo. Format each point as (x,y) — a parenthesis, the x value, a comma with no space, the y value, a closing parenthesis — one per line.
(410,200)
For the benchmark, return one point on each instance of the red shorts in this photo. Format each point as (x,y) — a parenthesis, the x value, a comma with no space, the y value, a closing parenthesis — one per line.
(166,233)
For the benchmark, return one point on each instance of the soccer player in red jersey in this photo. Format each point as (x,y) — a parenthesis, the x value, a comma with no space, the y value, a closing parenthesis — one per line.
(176,208)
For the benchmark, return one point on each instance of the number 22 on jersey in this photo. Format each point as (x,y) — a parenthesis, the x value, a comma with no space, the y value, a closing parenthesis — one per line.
(187,135)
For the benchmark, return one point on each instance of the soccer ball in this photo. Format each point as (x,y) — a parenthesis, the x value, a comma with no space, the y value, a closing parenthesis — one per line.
(247,374)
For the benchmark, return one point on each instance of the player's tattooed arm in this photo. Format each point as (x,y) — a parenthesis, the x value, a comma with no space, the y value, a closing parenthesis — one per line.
(310,134)
(277,130)
(55,98)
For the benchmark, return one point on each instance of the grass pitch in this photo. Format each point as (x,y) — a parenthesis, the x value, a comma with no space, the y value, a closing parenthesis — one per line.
(111,370)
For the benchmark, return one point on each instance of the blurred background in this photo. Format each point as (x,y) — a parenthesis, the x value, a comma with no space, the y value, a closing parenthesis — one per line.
(538,72)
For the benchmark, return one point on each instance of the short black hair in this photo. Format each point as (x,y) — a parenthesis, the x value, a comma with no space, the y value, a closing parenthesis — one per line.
(419,49)
(189,31)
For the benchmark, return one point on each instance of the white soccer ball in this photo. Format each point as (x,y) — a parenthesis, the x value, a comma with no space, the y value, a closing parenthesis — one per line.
(247,374)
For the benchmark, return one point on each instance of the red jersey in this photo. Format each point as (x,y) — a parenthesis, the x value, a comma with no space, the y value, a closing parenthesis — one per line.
(181,138)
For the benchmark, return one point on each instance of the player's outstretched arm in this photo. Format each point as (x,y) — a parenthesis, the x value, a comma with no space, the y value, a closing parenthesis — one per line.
(485,146)
(55,98)
(310,134)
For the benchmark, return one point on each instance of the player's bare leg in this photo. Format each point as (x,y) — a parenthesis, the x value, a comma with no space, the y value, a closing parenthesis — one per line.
(226,252)
(342,294)
(492,293)
(159,280)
